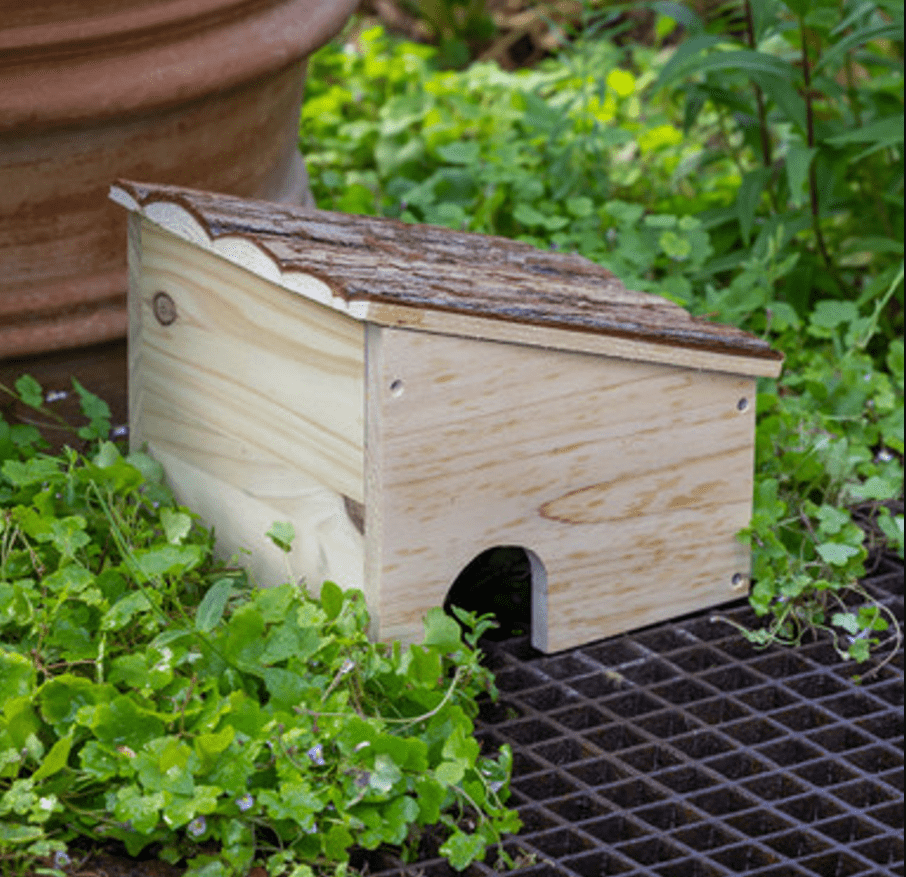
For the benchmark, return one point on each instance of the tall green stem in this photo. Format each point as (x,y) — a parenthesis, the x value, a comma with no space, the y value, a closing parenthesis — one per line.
(766,152)
(812,171)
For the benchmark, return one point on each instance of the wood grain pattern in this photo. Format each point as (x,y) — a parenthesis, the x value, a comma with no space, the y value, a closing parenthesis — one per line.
(395,273)
(252,398)
(627,481)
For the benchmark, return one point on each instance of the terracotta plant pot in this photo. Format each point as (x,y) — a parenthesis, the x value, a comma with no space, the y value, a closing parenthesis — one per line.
(205,93)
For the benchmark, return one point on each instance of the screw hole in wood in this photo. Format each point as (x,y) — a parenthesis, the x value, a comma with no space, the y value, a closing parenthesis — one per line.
(397,387)
(742,404)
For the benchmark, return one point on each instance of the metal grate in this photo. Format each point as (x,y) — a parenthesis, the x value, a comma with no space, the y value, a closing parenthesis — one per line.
(680,751)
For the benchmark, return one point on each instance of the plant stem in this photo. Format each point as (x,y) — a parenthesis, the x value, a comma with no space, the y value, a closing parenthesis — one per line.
(812,172)
(767,158)
(129,558)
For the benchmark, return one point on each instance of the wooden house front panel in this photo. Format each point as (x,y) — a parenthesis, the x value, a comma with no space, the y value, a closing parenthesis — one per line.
(628,480)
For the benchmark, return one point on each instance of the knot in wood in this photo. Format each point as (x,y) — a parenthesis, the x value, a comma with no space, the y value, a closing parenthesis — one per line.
(164,308)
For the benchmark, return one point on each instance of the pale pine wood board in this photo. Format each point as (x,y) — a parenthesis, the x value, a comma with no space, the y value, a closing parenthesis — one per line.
(627,480)
(252,392)
(558,338)
(327,545)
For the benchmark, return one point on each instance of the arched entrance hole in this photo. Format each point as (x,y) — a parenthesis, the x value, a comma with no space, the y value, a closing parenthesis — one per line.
(507,580)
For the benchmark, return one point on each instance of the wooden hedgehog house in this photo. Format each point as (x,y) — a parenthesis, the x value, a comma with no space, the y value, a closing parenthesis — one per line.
(410,396)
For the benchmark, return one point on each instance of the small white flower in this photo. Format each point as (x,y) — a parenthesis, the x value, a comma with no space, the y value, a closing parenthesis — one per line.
(316,754)
(120,431)
(246,802)
(346,666)
(60,859)
(197,826)
(164,663)
(47,802)
(56,396)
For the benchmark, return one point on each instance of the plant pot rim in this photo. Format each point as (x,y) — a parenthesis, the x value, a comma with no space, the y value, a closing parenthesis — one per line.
(126,61)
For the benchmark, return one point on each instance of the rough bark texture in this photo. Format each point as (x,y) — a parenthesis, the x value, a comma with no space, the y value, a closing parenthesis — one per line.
(437,268)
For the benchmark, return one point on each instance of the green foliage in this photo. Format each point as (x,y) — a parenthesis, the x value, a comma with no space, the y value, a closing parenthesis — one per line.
(148,696)
(757,180)
(533,154)
(809,101)
(455,26)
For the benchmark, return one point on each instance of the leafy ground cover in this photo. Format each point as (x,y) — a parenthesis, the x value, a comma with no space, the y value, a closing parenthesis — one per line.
(749,168)
(149,697)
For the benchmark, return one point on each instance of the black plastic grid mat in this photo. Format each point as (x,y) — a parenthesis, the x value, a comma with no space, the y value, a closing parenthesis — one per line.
(681,751)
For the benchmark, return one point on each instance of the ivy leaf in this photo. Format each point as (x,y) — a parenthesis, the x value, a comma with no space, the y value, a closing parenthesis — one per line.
(122,722)
(460,152)
(168,560)
(177,525)
(336,841)
(208,747)
(876,487)
(431,798)
(385,774)
(836,553)
(449,773)
(859,649)
(892,527)
(398,815)
(17,675)
(96,410)
(830,313)
(68,535)
(286,687)
(61,698)
(462,849)
(122,612)
(442,631)
(37,470)
(332,599)
(832,519)
(140,810)
(30,391)
(848,621)
(282,534)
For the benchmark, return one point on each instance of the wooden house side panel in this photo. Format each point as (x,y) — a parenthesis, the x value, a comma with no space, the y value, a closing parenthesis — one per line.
(628,480)
(253,399)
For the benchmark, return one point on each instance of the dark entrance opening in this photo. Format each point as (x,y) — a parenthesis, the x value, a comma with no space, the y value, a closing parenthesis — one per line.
(500,581)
